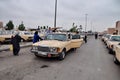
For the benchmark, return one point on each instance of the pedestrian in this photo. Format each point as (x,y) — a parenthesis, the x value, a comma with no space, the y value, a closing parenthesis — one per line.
(96,35)
(49,30)
(85,38)
(15,40)
(36,37)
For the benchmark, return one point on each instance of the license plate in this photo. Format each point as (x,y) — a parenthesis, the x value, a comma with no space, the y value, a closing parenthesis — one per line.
(43,53)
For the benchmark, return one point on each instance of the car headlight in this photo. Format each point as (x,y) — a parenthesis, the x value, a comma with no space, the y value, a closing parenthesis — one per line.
(35,48)
(53,49)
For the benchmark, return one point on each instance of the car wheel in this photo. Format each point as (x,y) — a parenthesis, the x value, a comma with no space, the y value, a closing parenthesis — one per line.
(116,61)
(36,55)
(22,40)
(73,49)
(110,51)
(62,55)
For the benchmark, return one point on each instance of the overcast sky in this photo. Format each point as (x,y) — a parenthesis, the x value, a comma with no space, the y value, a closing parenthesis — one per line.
(101,13)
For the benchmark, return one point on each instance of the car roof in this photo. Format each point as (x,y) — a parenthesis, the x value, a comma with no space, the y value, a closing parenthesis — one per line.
(58,33)
(115,35)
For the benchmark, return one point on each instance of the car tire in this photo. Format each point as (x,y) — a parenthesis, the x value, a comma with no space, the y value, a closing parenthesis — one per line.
(73,49)
(116,61)
(62,55)
(36,55)
(110,51)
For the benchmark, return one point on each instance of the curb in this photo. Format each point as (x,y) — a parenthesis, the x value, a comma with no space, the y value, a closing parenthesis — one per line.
(22,46)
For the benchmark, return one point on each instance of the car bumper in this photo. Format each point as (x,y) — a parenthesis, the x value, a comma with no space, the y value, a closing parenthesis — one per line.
(45,54)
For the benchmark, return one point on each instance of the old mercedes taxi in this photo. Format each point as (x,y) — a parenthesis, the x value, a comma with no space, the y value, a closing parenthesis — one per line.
(56,45)
(117,54)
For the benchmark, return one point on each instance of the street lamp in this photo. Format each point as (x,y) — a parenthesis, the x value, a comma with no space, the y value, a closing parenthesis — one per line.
(55,13)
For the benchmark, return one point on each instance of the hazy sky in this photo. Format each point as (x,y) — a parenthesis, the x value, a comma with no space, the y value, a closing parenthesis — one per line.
(101,13)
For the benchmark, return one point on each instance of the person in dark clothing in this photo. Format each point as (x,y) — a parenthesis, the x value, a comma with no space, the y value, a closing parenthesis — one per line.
(96,35)
(15,40)
(36,37)
(85,38)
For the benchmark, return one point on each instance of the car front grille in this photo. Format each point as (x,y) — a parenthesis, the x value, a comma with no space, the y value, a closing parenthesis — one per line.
(43,49)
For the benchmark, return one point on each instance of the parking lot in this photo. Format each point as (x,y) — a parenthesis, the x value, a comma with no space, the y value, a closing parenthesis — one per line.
(89,62)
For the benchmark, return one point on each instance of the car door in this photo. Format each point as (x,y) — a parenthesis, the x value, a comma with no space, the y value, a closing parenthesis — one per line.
(118,52)
(76,41)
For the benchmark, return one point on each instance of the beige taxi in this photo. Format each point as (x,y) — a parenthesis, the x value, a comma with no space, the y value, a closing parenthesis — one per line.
(105,38)
(5,38)
(111,42)
(117,54)
(56,45)
(26,36)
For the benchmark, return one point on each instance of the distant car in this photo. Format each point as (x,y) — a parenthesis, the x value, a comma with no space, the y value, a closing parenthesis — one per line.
(56,45)
(113,40)
(117,54)
(105,37)
(5,38)
(26,36)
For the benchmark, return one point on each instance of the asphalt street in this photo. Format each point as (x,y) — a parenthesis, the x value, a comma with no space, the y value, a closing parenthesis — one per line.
(89,62)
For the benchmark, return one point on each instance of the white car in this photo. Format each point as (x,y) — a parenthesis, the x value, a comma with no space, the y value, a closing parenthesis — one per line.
(113,40)
(105,37)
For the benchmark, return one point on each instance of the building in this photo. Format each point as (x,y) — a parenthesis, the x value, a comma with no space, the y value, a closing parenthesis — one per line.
(111,30)
(118,27)
(1,24)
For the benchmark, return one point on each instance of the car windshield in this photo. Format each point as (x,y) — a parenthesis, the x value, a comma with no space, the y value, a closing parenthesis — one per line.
(60,37)
(108,36)
(115,38)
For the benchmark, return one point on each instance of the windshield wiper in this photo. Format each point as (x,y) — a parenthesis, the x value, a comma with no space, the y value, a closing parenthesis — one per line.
(58,39)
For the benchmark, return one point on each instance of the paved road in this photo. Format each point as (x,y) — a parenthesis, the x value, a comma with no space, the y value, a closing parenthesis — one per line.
(90,62)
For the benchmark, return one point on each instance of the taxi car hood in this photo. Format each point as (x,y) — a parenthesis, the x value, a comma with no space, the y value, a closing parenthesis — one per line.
(50,43)
(6,36)
(114,42)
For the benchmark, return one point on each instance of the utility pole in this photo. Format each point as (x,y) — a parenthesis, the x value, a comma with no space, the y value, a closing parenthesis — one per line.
(85,21)
(55,13)
(91,25)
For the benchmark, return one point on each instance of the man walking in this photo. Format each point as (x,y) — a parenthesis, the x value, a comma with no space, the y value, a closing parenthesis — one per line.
(85,38)
(96,35)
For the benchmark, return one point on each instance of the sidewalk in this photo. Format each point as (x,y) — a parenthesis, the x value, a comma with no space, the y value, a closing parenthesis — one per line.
(7,47)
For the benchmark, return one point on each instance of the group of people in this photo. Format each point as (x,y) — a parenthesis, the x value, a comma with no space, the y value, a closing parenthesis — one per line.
(16,39)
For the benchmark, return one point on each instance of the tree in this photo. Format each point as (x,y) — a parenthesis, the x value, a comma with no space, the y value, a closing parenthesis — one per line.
(74,28)
(73,24)
(21,27)
(9,25)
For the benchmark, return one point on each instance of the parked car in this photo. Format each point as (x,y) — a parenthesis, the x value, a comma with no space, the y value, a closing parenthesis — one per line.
(113,40)
(105,37)
(26,36)
(5,38)
(56,45)
(117,54)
